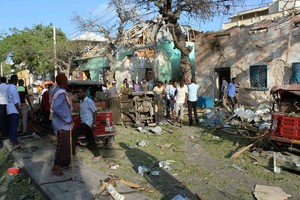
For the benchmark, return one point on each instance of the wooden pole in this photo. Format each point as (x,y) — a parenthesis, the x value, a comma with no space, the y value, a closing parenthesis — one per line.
(71,150)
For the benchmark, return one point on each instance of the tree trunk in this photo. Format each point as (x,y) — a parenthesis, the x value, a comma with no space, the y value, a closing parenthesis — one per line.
(180,43)
(110,72)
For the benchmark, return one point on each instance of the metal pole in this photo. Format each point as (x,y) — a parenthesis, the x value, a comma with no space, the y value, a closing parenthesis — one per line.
(54,49)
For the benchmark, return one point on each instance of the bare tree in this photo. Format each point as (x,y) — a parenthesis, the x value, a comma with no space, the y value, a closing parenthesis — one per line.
(125,13)
(172,10)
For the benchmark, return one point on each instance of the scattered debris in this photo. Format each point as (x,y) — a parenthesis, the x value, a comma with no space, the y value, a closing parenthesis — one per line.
(116,166)
(142,170)
(13,170)
(155,173)
(143,143)
(237,154)
(165,164)
(179,197)
(157,130)
(263,192)
(277,169)
(234,166)
(213,117)
(114,193)
(142,130)
(113,179)
(164,146)
(216,137)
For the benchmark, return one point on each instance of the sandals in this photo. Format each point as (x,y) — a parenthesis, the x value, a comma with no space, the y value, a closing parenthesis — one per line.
(57,173)
(97,157)
(17,144)
(56,170)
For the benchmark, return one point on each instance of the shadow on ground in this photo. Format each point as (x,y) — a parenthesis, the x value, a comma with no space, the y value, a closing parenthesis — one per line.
(161,183)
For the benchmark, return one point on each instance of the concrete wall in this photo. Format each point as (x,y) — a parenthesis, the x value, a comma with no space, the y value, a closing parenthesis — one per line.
(238,49)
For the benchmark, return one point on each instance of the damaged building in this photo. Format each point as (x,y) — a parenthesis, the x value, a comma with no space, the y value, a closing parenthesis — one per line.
(258,55)
(144,53)
(152,55)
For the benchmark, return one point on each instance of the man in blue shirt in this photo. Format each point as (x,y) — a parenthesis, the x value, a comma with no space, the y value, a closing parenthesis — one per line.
(60,105)
(231,93)
(192,101)
(88,114)
(13,110)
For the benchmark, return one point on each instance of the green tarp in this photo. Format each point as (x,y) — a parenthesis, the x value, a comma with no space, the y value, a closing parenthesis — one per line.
(94,65)
(171,67)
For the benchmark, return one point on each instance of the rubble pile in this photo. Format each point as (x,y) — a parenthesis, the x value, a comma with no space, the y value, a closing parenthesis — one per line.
(255,120)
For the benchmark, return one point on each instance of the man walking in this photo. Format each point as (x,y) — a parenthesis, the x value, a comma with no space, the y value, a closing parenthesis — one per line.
(23,94)
(170,91)
(181,100)
(223,93)
(3,103)
(60,105)
(13,110)
(192,101)
(231,93)
(88,114)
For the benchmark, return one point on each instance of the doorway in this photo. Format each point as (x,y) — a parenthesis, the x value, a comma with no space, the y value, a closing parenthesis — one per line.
(219,74)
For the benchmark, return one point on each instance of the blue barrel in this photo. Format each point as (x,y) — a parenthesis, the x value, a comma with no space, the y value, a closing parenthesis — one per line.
(205,102)
(296,73)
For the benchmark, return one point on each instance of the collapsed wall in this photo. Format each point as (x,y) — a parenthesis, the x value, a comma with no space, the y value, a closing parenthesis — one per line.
(241,49)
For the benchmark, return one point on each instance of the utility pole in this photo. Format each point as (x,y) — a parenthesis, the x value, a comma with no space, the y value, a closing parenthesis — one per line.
(54,51)
(1,70)
(290,33)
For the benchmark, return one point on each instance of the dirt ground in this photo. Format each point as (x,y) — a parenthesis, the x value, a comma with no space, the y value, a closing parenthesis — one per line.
(199,164)
(198,159)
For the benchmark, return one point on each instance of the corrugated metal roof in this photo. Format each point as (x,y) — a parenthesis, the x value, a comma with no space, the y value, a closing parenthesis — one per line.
(89,36)
(93,63)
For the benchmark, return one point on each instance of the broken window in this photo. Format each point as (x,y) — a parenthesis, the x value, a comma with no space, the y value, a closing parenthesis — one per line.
(258,76)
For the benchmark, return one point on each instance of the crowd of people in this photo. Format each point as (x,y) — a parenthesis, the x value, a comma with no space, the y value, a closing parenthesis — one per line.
(178,96)
(15,106)
(56,104)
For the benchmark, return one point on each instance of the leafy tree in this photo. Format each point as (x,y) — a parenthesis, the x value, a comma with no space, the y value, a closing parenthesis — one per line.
(32,47)
(172,10)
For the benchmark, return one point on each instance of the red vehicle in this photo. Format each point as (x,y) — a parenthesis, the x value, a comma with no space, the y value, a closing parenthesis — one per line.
(104,129)
(285,124)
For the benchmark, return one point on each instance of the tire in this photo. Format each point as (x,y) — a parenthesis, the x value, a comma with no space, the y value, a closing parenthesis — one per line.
(109,142)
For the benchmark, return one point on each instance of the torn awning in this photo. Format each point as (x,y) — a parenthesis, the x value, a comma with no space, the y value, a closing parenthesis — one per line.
(93,63)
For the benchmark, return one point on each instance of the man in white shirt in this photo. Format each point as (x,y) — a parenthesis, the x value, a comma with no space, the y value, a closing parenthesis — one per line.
(223,90)
(13,110)
(192,101)
(181,100)
(3,102)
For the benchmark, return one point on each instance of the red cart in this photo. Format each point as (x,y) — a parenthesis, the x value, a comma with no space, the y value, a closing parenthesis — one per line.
(104,129)
(285,124)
